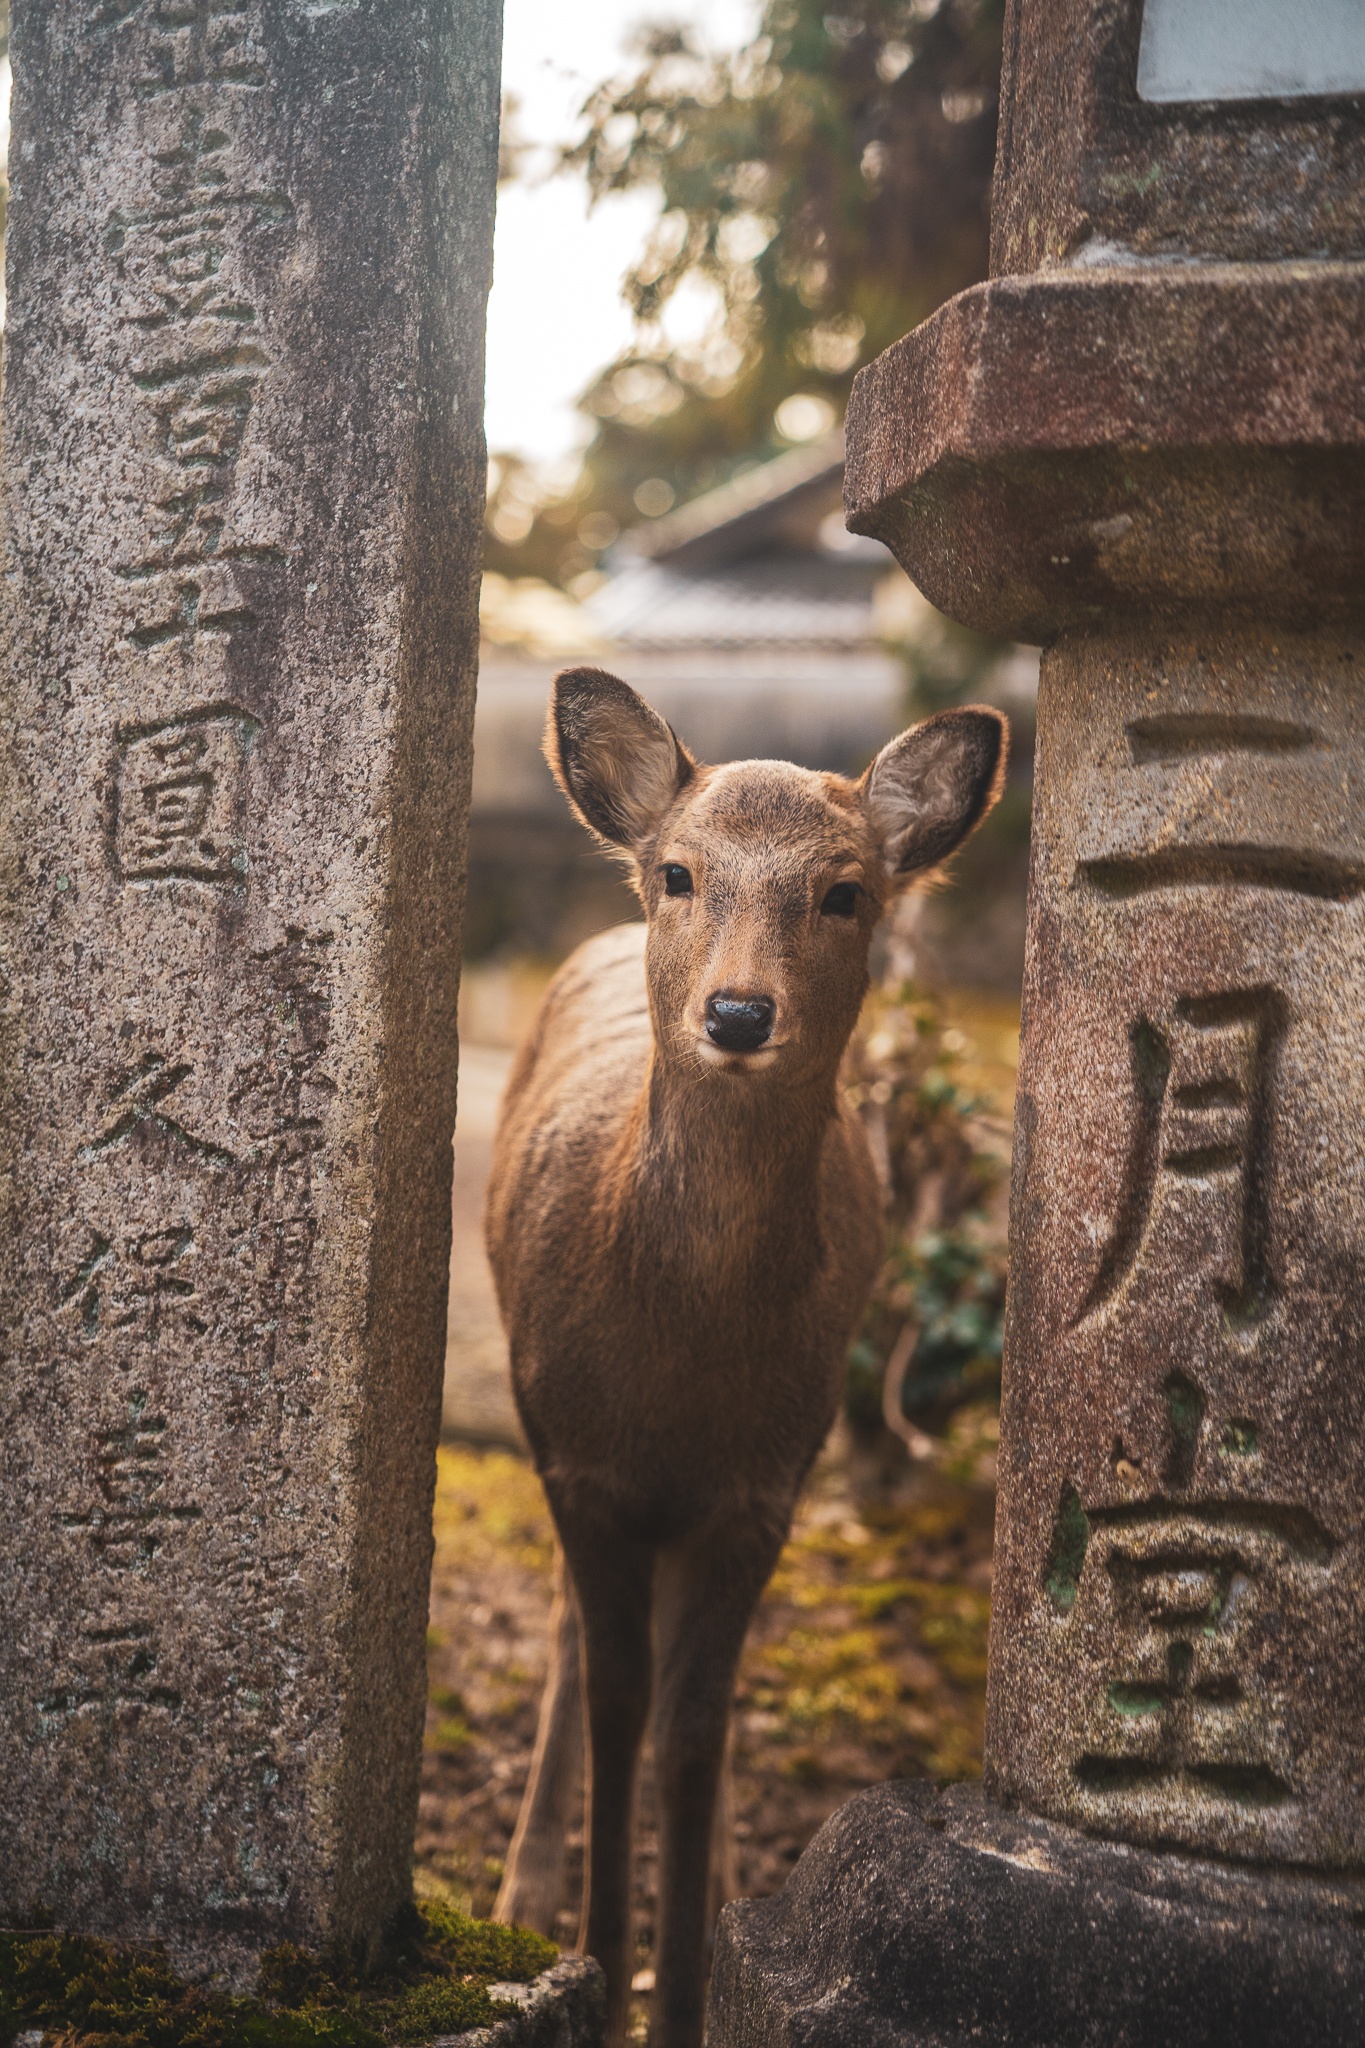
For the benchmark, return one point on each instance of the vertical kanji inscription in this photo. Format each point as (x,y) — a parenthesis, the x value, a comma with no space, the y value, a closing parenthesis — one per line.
(242,468)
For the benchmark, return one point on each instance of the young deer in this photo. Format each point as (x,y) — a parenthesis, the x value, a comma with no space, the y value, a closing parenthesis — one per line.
(684,1222)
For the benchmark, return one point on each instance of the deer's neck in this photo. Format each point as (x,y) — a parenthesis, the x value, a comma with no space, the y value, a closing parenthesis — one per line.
(724,1179)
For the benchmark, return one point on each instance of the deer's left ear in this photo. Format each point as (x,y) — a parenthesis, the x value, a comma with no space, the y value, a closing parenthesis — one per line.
(927,790)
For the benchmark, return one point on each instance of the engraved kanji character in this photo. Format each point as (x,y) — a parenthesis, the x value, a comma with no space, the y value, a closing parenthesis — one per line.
(1201,1079)
(1190,1599)
(181,791)
(141,1093)
(111,1667)
(139,1289)
(191,42)
(127,1521)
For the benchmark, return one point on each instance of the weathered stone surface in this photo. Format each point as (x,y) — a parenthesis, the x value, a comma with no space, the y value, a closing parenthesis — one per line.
(924,1921)
(564,2008)
(1045,451)
(1087,171)
(1157,402)
(249,251)
(1178,1639)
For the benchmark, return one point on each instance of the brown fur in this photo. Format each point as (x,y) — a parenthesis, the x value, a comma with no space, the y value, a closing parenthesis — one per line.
(683,1239)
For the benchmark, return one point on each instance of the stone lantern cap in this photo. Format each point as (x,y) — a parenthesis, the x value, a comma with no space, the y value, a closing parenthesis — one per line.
(1047,448)
(1158,400)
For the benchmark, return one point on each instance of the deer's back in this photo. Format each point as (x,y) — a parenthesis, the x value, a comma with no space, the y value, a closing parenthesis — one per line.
(574,1079)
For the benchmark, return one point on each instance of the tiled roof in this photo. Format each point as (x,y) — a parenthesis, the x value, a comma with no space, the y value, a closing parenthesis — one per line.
(813,598)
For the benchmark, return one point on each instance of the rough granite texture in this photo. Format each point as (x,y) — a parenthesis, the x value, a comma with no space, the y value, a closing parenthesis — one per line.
(1156,403)
(564,2008)
(249,251)
(1178,1614)
(917,1920)
(1143,444)
(1087,172)
(1047,451)
(1157,468)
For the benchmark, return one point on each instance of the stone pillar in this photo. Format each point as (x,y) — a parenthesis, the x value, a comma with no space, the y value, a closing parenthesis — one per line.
(1143,444)
(249,251)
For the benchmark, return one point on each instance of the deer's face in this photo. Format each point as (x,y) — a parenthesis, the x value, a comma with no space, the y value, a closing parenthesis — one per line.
(762,883)
(762,890)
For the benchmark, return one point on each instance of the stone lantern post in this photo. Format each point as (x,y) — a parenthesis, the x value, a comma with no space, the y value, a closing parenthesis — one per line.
(1142,443)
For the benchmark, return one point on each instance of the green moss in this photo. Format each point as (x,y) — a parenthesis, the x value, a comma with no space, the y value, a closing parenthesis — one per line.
(440,2008)
(1136,1700)
(1066,1553)
(450,1735)
(434,1979)
(485,1948)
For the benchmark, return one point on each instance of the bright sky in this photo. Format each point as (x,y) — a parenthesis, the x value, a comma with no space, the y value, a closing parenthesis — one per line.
(556,313)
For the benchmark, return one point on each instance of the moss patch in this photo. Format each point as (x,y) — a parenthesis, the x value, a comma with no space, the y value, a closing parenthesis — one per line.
(1239,1439)
(87,1993)
(1066,1553)
(861,1647)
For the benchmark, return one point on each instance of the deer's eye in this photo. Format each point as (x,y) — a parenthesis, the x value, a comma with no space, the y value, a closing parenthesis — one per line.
(677,880)
(841,900)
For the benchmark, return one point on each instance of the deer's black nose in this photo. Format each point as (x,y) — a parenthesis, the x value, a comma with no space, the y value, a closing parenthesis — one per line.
(739,1023)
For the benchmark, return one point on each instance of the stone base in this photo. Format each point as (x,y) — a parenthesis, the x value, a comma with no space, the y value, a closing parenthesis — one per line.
(565,2007)
(927,1920)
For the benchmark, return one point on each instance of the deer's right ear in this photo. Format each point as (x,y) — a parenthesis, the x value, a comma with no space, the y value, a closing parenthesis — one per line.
(620,765)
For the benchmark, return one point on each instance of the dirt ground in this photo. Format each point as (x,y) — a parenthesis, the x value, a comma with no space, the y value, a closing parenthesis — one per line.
(866,1660)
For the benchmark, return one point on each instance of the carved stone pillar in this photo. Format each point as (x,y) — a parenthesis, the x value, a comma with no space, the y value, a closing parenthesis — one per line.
(243,480)
(1143,444)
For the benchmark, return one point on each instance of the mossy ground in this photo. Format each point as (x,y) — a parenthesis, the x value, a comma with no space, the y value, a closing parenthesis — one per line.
(866,1660)
(81,1992)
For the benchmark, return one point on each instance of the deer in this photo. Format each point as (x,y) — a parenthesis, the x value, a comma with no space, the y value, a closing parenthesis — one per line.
(684,1221)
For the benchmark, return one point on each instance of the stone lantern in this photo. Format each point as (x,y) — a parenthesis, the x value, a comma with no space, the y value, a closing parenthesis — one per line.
(1142,444)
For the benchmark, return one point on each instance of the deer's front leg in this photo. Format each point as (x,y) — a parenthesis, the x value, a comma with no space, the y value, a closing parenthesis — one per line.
(532,1888)
(613,1579)
(707,1591)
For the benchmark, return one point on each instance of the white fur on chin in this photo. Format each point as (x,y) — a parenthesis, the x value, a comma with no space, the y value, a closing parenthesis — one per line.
(737,1062)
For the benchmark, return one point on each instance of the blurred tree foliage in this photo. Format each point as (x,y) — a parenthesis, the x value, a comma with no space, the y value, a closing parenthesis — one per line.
(824,188)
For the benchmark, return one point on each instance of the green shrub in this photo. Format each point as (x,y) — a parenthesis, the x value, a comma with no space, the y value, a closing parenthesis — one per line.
(942,1286)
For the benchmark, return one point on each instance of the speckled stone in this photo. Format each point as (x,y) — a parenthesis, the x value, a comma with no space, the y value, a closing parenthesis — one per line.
(1178,1614)
(1142,443)
(1053,452)
(924,1920)
(1087,172)
(565,2007)
(243,478)
(1146,448)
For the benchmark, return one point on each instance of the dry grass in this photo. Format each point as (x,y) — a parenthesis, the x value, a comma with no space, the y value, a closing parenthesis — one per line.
(866,1660)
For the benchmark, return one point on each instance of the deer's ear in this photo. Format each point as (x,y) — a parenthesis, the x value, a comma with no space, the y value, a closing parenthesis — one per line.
(926,790)
(619,764)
